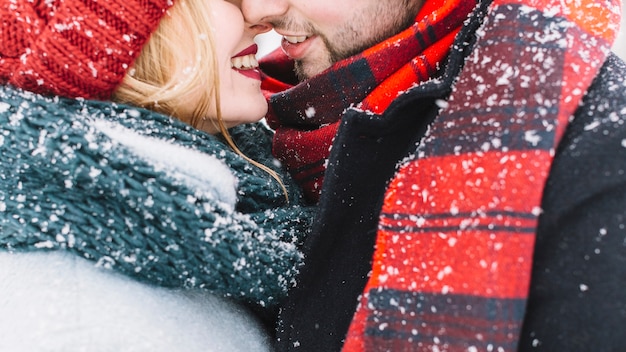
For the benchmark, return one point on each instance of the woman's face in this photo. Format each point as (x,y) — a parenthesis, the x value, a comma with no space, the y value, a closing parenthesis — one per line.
(241,100)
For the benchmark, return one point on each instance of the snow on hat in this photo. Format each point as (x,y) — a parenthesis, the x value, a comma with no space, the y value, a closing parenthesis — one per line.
(73,48)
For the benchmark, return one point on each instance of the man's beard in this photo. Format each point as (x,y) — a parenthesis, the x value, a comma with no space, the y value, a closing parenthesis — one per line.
(333,56)
(336,53)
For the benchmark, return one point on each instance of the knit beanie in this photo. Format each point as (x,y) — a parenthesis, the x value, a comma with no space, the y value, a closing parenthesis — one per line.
(73,48)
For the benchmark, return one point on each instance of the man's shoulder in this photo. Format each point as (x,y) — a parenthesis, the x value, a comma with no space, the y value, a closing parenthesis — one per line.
(591,156)
(600,119)
(611,80)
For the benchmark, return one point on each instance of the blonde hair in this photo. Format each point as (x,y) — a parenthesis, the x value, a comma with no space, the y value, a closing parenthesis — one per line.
(163,76)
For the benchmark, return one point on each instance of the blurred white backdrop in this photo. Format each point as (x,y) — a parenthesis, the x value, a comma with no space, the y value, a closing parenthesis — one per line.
(270,40)
(267,42)
(620,43)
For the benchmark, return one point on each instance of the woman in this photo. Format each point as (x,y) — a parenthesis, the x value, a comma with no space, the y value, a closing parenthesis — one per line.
(122,229)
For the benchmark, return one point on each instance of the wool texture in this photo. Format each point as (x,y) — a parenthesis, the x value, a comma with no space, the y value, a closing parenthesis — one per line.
(71,182)
(74,48)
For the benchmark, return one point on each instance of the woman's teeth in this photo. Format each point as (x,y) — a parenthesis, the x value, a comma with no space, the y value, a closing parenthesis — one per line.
(246,62)
(295,39)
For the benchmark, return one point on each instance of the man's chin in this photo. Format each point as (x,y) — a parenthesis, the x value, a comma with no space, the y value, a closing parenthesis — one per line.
(300,71)
(306,71)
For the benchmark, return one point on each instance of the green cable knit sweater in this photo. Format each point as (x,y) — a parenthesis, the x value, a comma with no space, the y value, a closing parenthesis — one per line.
(147,196)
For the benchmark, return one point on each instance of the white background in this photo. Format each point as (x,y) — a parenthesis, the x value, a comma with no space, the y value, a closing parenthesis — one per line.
(620,43)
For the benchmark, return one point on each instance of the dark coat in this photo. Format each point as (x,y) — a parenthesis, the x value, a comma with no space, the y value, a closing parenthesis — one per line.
(576,300)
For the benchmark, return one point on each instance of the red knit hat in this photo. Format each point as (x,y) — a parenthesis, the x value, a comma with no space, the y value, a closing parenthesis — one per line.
(73,48)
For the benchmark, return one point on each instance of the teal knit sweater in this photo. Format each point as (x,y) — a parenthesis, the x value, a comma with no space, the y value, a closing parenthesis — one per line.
(147,196)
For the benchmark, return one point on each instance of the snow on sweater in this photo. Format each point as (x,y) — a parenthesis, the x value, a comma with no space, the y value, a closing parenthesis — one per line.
(147,196)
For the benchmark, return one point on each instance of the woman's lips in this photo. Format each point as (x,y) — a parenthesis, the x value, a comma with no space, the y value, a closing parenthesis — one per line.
(246,64)
(250,73)
(252,49)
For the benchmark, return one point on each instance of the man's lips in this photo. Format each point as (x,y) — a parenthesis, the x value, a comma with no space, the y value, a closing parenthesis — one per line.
(296,46)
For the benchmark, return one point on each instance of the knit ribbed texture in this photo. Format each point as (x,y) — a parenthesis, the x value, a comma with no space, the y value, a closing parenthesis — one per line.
(65,185)
(74,48)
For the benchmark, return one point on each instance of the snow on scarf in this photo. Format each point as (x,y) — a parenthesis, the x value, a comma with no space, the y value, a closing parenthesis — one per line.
(453,257)
(147,196)
(306,116)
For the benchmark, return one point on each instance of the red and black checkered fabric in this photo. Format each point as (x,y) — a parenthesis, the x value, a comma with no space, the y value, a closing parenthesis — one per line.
(454,248)
(306,116)
(453,259)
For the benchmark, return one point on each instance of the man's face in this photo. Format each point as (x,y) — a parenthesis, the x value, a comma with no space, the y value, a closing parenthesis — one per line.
(318,33)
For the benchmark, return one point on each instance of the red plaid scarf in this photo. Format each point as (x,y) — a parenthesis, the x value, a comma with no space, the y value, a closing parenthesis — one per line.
(306,116)
(454,250)
(453,258)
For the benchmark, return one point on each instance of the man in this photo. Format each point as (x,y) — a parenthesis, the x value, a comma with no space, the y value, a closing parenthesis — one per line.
(469,163)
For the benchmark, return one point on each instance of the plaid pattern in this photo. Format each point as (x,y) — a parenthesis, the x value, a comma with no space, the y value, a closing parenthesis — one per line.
(306,116)
(453,258)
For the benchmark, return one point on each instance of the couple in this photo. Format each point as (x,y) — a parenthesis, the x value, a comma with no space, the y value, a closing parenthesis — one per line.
(466,160)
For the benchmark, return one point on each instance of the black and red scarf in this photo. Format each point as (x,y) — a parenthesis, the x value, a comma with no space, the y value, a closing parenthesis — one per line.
(453,258)
(306,116)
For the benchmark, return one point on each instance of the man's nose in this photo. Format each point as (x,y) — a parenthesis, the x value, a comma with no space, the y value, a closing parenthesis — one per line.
(263,11)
